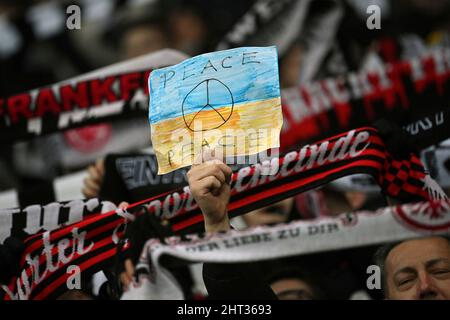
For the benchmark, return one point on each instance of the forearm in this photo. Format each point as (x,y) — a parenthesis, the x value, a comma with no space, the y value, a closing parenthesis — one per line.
(221,225)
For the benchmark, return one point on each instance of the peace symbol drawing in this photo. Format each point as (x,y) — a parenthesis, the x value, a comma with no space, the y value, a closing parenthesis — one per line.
(218,98)
(214,93)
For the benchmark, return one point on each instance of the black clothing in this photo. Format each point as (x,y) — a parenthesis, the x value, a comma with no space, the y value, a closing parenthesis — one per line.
(238,281)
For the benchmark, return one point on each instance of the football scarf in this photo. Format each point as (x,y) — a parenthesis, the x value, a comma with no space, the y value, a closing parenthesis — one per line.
(108,93)
(133,177)
(413,93)
(267,22)
(261,243)
(91,243)
(33,219)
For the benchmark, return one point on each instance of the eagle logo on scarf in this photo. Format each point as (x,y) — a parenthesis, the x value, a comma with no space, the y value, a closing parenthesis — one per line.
(426,217)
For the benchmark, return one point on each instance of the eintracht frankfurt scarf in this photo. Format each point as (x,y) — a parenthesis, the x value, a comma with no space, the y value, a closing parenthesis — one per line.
(414,94)
(34,219)
(105,94)
(91,243)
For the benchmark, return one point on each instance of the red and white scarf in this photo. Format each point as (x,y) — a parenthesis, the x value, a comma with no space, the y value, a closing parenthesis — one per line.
(91,243)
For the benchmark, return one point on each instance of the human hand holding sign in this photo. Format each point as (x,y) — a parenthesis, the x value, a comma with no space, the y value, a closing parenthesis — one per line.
(209,183)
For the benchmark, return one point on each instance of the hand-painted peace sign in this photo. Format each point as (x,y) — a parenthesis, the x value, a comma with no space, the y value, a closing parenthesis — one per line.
(212,92)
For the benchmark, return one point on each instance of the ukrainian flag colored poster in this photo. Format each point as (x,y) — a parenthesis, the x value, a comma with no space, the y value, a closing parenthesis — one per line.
(227,99)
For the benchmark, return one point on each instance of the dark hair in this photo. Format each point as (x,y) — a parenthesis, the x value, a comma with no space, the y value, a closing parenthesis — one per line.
(380,260)
(295,272)
(381,254)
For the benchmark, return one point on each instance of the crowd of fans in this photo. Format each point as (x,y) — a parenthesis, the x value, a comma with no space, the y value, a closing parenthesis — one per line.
(118,30)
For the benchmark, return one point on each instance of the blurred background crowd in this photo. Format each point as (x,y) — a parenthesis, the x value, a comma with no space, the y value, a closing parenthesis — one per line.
(315,40)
